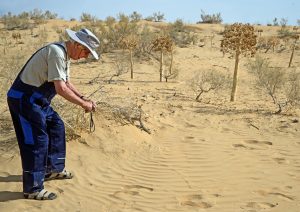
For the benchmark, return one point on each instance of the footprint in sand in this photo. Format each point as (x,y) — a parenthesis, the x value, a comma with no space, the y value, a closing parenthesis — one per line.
(260,143)
(252,142)
(283,196)
(189,125)
(277,194)
(195,200)
(281,160)
(260,205)
(132,190)
(242,146)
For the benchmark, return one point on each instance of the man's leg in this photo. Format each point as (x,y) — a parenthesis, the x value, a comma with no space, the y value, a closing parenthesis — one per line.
(33,143)
(57,142)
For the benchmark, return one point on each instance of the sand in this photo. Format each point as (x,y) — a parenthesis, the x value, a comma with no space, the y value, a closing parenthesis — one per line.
(213,155)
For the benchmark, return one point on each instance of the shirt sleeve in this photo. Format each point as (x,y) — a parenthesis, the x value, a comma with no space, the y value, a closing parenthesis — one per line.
(57,69)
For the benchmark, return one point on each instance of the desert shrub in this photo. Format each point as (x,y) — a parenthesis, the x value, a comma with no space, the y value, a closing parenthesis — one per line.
(121,67)
(86,17)
(36,14)
(14,22)
(158,16)
(50,15)
(24,15)
(110,21)
(111,32)
(178,26)
(283,22)
(298,22)
(170,73)
(275,22)
(146,36)
(210,19)
(123,18)
(284,32)
(181,34)
(267,43)
(282,85)
(135,16)
(210,80)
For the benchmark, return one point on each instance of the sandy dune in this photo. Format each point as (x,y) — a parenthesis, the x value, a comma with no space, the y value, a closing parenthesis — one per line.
(200,156)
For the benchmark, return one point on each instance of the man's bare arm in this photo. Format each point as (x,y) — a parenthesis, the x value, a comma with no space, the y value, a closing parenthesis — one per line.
(65,91)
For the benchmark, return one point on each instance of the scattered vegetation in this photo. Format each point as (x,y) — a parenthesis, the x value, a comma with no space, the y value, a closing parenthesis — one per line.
(26,20)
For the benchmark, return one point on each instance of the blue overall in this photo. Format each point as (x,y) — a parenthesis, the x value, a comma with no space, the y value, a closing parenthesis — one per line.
(39,129)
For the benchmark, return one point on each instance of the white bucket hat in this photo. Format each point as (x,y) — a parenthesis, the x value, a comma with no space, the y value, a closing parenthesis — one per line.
(86,38)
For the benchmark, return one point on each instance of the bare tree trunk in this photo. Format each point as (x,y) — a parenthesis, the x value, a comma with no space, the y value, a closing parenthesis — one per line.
(161,66)
(171,64)
(235,76)
(131,63)
(292,55)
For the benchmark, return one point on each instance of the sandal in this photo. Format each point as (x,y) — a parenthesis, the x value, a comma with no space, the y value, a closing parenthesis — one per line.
(59,176)
(41,195)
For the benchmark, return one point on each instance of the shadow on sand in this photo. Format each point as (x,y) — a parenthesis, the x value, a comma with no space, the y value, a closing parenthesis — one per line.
(11,178)
(10,195)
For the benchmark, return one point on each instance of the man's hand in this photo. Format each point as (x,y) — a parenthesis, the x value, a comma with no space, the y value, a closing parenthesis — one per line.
(90,106)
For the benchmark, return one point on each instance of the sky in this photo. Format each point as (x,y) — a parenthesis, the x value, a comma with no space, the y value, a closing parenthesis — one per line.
(245,11)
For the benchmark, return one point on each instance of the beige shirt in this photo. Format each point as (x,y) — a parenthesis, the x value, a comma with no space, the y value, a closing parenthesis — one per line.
(48,64)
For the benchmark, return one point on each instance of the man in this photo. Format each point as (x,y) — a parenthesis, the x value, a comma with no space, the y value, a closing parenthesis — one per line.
(39,129)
